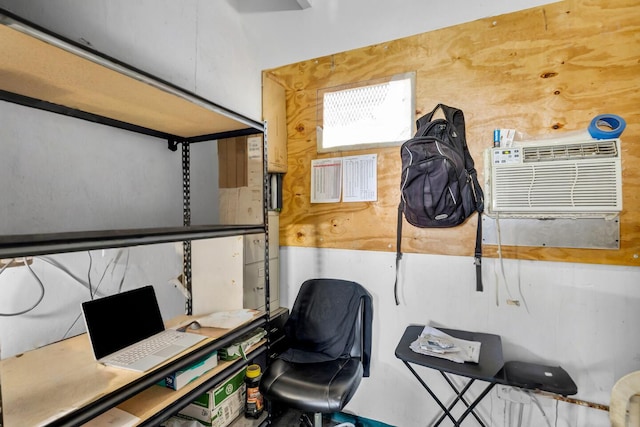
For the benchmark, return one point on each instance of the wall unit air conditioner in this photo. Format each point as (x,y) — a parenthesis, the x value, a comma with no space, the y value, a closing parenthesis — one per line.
(545,179)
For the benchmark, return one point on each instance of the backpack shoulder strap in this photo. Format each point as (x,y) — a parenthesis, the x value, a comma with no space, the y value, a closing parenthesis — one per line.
(455,116)
(398,249)
(477,259)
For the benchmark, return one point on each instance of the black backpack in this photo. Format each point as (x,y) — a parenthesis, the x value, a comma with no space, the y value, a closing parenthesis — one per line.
(439,184)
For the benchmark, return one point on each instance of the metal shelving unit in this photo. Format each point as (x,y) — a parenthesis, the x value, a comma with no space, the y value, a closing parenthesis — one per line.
(140,103)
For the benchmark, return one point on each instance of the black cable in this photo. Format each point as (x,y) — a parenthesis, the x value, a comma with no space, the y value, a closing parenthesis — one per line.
(89,275)
(124,274)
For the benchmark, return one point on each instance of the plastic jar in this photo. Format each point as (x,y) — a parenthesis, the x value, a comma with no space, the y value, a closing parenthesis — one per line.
(254,404)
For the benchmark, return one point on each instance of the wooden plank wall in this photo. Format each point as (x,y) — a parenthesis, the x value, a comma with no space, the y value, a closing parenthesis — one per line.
(543,71)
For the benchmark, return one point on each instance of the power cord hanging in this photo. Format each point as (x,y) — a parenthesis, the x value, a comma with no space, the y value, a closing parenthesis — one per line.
(93,292)
(510,299)
(537,403)
(40,298)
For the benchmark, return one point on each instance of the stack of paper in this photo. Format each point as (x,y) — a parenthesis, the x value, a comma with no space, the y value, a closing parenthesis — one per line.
(226,319)
(433,342)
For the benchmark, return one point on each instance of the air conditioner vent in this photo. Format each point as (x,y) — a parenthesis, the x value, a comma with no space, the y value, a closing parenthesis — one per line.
(555,180)
(599,149)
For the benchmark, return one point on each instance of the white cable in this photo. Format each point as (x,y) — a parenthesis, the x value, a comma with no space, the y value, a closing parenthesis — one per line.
(4,267)
(504,276)
(92,293)
(89,274)
(535,400)
(112,264)
(500,260)
(18,313)
(504,414)
(524,301)
(126,267)
(61,267)
(72,325)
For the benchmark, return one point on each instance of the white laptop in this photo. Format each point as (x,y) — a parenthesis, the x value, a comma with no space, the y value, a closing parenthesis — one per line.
(126,330)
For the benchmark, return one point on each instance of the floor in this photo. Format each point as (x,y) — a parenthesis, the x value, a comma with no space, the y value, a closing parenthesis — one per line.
(291,418)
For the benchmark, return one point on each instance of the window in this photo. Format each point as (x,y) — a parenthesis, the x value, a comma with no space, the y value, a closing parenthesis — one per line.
(366,114)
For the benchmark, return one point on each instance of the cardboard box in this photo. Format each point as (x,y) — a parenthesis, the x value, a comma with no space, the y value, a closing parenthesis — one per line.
(220,406)
(239,348)
(179,379)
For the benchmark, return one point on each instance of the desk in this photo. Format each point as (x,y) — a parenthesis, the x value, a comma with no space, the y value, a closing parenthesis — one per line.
(489,364)
(61,384)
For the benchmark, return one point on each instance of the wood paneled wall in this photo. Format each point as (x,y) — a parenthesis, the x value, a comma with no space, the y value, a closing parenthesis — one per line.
(543,71)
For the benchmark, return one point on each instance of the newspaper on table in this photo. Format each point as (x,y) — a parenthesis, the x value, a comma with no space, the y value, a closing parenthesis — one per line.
(433,342)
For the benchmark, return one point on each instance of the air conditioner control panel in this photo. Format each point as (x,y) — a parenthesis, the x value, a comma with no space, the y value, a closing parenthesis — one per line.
(503,156)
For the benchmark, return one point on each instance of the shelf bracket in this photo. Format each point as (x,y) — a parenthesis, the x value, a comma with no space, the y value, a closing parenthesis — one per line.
(172,144)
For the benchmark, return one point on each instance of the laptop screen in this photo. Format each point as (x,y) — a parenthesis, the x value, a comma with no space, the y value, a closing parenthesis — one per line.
(116,321)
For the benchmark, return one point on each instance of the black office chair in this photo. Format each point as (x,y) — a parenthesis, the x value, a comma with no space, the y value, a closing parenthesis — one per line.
(329,348)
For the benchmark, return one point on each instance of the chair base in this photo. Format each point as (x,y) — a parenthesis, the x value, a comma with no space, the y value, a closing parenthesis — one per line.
(305,421)
(317,420)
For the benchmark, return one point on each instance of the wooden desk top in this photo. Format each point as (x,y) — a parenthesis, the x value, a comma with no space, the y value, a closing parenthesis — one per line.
(42,385)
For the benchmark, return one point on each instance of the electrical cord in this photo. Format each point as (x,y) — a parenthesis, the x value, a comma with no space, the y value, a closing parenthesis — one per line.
(112,263)
(501,260)
(93,292)
(504,277)
(4,267)
(89,275)
(61,267)
(537,403)
(64,269)
(126,267)
(40,298)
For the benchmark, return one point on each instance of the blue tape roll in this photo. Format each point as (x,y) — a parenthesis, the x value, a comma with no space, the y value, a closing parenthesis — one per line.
(616,123)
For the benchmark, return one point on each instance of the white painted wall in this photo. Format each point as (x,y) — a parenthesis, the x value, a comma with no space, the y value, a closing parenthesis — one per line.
(66,279)
(578,316)
(333,26)
(65,174)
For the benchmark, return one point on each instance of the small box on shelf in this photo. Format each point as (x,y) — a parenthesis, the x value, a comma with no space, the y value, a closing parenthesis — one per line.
(239,348)
(180,378)
(221,405)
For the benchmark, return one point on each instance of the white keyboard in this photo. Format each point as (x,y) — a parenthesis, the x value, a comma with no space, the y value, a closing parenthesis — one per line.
(144,348)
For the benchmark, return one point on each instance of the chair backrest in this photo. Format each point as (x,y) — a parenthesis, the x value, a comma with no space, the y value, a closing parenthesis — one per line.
(330,319)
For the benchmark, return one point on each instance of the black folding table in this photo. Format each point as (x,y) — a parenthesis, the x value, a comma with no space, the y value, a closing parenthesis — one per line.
(489,364)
